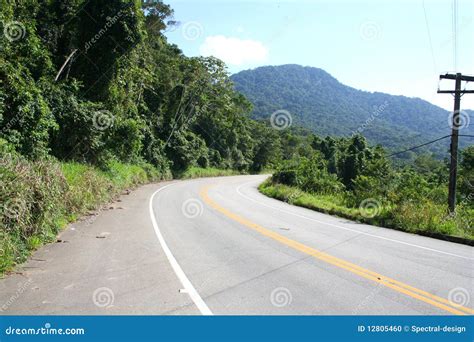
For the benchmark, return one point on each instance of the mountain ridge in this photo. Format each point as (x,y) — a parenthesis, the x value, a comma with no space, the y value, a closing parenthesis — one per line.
(317,100)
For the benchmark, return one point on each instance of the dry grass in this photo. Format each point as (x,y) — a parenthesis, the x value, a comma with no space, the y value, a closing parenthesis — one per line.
(37,199)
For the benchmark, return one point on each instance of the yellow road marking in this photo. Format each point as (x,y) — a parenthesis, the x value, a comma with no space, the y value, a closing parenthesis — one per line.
(398,286)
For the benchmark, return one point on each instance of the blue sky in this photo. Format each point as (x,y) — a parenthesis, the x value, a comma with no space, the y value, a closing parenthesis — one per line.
(374,45)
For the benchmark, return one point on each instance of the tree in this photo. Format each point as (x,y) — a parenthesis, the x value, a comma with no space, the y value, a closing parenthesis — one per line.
(466,173)
(352,160)
(107,31)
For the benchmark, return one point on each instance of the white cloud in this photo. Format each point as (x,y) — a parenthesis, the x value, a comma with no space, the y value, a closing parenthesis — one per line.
(234,51)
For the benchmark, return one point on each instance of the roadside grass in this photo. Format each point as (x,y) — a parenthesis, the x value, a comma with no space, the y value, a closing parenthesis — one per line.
(198,172)
(328,204)
(426,218)
(39,198)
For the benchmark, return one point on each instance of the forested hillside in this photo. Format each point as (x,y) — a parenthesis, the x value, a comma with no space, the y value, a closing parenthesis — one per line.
(94,81)
(318,101)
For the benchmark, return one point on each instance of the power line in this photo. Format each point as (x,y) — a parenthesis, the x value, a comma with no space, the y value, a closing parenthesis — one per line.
(176,116)
(429,37)
(418,146)
(455,33)
(427,143)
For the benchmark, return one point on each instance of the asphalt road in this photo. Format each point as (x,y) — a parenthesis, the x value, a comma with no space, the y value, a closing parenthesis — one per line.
(218,246)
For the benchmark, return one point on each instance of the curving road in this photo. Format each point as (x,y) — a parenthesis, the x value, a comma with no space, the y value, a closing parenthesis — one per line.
(245,253)
(218,246)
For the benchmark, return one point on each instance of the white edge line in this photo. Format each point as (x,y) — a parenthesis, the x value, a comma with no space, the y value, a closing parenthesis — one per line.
(345,228)
(190,290)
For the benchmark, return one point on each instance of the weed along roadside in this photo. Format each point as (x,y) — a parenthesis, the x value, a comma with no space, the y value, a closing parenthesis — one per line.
(39,198)
(370,213)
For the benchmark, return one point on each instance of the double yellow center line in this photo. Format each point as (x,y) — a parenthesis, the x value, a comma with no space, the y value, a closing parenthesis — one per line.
(398,286)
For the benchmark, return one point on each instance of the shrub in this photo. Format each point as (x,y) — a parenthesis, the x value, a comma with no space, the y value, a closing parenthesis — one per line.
(427,216)
(38,198)
(32,197)
(309,174)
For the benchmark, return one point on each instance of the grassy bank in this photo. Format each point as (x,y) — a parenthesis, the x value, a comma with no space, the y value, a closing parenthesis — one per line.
(39,198)
(198,172)
(425,218)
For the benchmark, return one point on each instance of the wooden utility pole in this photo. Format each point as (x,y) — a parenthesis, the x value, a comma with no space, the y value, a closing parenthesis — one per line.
(453,166)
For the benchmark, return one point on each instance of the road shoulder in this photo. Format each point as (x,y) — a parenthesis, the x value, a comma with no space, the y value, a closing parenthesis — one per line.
(108,263)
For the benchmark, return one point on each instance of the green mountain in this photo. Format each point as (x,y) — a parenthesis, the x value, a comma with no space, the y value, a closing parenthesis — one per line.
(318,101)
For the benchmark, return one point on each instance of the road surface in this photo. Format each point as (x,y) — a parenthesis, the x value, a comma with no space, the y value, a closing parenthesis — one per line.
(218,246)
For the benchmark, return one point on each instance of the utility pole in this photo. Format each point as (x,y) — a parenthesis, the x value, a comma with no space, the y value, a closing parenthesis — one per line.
(453,166)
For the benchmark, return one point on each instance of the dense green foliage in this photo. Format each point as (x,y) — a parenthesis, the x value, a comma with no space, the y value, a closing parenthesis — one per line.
(347,177)
(316,100)
(39,197)
(95,81)
(198,172)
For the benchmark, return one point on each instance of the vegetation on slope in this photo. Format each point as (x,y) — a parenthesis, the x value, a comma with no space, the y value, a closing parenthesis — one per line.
(318,101)
(348,178)
(198,172)
(40,197)
(125,94)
